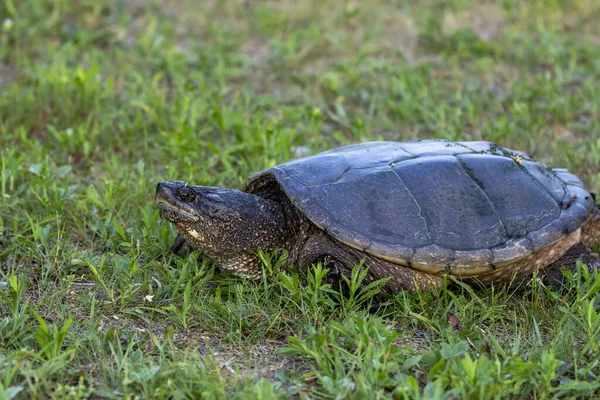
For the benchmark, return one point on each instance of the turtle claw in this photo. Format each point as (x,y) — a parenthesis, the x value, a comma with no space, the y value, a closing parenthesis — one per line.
(180,247)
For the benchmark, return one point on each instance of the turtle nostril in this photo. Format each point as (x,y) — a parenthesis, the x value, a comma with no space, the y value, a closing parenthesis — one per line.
(185,194)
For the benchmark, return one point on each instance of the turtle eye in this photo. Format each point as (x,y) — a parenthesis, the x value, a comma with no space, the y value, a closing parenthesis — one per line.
(185,194)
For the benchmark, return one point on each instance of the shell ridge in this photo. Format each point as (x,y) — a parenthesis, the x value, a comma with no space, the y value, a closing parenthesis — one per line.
(408,152)
(539,184)
(473,151)
(412,196)
(478,184)
(564,186)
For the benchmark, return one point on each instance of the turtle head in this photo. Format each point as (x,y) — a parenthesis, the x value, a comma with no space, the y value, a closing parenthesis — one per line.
(226,224)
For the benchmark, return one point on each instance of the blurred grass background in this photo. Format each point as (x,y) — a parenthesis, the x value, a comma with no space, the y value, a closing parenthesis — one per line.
(101,99)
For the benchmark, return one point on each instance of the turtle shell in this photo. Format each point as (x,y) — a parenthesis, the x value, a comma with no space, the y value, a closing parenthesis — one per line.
(459,207)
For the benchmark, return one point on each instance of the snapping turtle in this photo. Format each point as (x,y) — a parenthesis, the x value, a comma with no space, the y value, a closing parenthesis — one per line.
(411,211)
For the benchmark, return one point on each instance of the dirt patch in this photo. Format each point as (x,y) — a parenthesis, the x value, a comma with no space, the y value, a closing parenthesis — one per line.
(263,360)
(259,360)
(401,34)
(416,340)
(487,21)
(257,50)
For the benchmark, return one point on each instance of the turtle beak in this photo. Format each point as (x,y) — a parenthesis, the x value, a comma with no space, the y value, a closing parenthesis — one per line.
(176,201)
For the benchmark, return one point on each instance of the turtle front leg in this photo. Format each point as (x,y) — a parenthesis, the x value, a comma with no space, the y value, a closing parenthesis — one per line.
(341,259)
(181,247)
(553,276)
(319,249)
(337,268)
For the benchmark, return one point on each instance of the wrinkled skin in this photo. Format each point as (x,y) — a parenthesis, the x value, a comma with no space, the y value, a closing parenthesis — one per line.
(231,226)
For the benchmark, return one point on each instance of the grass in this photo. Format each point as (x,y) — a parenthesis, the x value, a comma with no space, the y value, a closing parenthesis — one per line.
(101,99)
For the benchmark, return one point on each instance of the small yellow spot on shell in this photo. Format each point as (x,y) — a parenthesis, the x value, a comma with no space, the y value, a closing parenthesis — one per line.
(518,159)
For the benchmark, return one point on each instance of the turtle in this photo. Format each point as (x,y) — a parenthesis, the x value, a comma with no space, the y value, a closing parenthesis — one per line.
(412,212)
